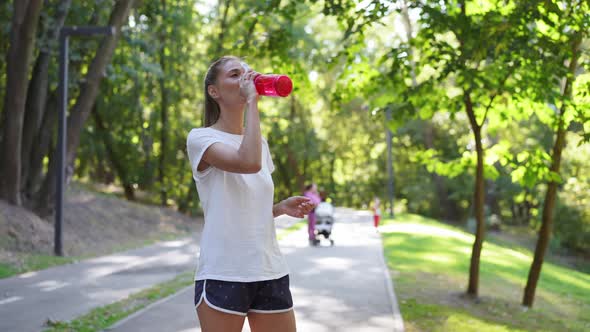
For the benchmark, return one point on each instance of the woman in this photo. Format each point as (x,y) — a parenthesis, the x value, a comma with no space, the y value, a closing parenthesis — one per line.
(241,271)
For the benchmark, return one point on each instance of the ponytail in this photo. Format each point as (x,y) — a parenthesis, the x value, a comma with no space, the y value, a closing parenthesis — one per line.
(212,110)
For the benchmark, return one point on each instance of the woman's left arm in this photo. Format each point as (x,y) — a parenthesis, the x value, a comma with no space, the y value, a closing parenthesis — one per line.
(295,206)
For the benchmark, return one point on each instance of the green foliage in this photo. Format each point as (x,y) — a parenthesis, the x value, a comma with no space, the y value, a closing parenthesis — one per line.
(531,168)
(572,217)
(572,224)
(351,62)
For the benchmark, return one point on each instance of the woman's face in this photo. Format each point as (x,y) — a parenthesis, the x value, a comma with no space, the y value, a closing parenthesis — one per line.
(227,86)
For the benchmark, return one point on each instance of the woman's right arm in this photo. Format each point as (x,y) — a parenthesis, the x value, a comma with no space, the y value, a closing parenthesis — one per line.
(247,158)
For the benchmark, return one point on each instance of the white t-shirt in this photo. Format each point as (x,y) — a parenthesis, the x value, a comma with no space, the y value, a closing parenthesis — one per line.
(239,240)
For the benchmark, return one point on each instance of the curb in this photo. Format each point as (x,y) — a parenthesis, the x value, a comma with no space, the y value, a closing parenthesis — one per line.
(146,308)
(397,316)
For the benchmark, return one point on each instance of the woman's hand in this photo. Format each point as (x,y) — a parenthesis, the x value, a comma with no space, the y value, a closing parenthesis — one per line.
(295,206)
(247,88)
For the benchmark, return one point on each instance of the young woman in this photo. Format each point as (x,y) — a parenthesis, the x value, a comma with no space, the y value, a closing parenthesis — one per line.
(241,271)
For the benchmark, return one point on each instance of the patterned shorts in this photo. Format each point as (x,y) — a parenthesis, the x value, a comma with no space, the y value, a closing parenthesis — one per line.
(239,298)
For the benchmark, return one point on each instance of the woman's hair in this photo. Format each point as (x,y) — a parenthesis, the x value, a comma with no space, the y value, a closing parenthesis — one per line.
(211,107)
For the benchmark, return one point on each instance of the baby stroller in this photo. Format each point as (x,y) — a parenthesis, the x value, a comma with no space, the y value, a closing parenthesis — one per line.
(324,214)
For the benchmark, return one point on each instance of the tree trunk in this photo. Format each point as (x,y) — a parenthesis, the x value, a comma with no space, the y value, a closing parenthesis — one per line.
(291,157)
(22,42)
(248,37)
(284,175)
(478,200)
(191,196)
(550,196)
(222,26)
(37,92)
(115,161)
(409,31)
(85,101)
(332,167)
(42,147)
(89,91)
(163,114)
(492,197)
(546,223)
(146,182)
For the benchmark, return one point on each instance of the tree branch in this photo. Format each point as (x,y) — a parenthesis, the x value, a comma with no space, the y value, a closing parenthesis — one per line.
(498,91)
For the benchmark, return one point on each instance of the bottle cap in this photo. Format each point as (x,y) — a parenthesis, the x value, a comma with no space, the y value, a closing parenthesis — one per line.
(284,86)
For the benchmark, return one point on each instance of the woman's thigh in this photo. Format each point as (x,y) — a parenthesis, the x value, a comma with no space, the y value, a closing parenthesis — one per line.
(261,322)
(216,321)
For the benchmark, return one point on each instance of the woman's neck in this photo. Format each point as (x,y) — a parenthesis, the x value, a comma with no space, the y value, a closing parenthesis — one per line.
(231,122)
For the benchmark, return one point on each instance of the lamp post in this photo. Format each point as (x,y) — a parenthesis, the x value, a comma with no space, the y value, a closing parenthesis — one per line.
(390,187)
(64,35)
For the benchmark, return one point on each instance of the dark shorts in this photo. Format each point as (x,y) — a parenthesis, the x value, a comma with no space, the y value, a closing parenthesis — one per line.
(239,298)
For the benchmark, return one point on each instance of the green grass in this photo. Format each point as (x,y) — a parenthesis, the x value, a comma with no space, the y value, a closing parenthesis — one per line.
(430,262)
(32,262)
(7,270)
(103,317)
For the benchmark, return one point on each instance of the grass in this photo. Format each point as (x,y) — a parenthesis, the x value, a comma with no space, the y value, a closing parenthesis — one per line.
(429,262)
(7,270)
(103,317)
(33,262)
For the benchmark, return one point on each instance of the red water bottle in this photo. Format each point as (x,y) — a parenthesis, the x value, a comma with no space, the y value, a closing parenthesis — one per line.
(275,85)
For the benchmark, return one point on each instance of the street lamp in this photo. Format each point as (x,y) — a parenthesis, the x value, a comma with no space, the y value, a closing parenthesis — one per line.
(389,135)
(64,36)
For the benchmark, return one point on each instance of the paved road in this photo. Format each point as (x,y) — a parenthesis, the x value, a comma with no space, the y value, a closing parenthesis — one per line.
(341,288)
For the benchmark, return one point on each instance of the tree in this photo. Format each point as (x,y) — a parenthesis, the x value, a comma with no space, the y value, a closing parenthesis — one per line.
(22,42)
(473,51)
(83,106)
(40,116)
(560,40)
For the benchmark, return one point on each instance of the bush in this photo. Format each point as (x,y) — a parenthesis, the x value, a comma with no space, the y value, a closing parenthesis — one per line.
(572,218)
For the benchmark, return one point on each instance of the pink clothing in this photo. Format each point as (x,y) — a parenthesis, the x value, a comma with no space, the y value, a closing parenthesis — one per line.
(311,226)
(315,199)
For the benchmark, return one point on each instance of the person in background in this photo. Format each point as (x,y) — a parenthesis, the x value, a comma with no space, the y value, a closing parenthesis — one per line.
(376,212)
(323,195)
(311,192)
